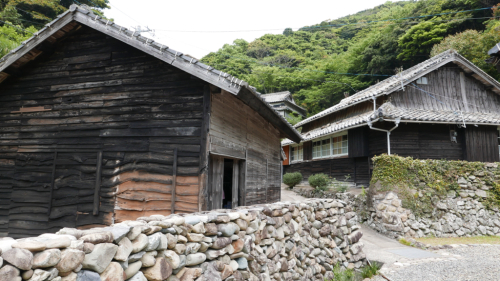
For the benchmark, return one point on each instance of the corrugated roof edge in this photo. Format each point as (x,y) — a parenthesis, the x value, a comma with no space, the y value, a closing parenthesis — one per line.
(228,83)
(393,83)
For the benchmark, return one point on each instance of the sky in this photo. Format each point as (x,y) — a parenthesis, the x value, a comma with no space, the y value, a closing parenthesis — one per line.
(194,26)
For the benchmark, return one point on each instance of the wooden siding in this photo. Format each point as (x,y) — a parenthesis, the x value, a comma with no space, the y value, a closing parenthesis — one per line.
(427,141)
(95,94)
(481,144)
(444,84)
(240,132)
(336,168)
(358,142)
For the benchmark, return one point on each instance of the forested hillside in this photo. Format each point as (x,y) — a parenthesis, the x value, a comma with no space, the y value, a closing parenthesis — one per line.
(320,63)
(19,19)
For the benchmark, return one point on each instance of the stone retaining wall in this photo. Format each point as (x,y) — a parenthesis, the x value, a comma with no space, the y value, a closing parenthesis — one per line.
(461,213)
(281,241)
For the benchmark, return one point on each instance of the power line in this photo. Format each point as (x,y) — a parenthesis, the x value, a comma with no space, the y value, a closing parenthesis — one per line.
(124,13)
(323,26)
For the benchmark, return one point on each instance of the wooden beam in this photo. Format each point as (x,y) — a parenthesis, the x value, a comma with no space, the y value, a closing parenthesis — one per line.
(174,181)
(204,147)
(52,183)
(97,188)
(242,181)
(236,181)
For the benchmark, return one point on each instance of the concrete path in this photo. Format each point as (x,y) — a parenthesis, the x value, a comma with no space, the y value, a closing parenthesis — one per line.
(289,195)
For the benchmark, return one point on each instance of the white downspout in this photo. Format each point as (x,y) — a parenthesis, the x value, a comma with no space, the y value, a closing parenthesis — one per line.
(388,133)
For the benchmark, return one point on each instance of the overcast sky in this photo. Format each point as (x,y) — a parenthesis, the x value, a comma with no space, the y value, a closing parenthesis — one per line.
(251,19)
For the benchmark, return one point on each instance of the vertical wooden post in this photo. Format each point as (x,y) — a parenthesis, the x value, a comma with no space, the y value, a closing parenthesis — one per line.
(267,179)
(97,188)
(235,184)
(242,179)
(203,201)
(174,181)
(52,183)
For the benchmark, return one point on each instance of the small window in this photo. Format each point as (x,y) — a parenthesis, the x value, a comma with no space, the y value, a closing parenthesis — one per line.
(422,81)
(453,136)
(297,153)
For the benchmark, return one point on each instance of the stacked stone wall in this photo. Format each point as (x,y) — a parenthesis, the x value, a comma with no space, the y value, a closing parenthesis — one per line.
(281,241)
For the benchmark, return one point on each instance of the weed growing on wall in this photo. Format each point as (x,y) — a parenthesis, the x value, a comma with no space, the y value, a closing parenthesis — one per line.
(422,183)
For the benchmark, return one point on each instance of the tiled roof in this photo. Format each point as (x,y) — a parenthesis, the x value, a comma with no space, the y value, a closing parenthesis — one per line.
(394,83)
(390,112)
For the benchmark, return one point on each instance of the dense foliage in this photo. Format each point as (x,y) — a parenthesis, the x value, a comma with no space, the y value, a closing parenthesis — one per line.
(292,179)
(320,63)
(422,183)
(19,19)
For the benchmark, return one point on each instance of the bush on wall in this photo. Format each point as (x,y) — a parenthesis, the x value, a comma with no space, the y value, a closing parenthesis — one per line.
(292,179)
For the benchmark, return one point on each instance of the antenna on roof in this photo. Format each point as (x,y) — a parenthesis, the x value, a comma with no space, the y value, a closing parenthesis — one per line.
(140,30)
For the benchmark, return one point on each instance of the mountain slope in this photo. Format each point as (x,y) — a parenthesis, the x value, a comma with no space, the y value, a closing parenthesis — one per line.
(320,63)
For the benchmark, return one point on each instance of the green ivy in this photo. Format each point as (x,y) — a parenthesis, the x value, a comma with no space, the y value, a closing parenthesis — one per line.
(421,184)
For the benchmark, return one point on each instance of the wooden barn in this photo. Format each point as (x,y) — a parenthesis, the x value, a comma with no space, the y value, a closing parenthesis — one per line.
(99,125)
(443,108)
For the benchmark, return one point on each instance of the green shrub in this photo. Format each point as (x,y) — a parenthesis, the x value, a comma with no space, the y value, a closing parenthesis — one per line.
(340,186)
(370,270)
(292,179)
(319,181)
(340,274)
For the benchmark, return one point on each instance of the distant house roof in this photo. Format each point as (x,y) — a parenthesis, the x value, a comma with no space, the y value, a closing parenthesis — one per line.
(277,97)
(68,21)
(395,83)
(284,96)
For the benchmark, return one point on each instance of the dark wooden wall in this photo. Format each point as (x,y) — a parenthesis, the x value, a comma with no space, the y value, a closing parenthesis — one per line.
(336,168)
(427,141)
(95,94)
(358,142)
(237,130)
(481,144)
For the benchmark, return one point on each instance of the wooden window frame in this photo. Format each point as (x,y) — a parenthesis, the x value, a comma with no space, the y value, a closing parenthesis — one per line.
(301,153)
(331,138)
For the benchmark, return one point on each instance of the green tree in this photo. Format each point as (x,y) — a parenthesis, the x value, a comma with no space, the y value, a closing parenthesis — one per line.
(473,45)
(418,40)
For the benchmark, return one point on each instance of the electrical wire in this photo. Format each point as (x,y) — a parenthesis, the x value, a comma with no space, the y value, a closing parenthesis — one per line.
(16,27)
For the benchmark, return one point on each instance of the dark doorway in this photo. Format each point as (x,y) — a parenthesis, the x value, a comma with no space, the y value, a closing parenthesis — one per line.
(227,187)
(226,177)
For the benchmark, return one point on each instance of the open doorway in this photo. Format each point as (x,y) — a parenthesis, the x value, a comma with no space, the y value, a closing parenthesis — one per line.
(227,187)
(225,182)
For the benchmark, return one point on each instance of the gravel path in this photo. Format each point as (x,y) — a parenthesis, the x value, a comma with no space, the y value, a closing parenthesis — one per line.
(466,263)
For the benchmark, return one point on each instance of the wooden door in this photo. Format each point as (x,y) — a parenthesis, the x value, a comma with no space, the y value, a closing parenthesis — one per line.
(216,181)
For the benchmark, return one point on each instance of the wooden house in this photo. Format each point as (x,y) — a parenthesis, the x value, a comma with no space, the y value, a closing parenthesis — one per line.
(284,103)
(443,108)
(99,125)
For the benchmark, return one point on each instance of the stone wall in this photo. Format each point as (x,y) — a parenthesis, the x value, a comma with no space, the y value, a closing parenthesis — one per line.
(281,241)
(461,213)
